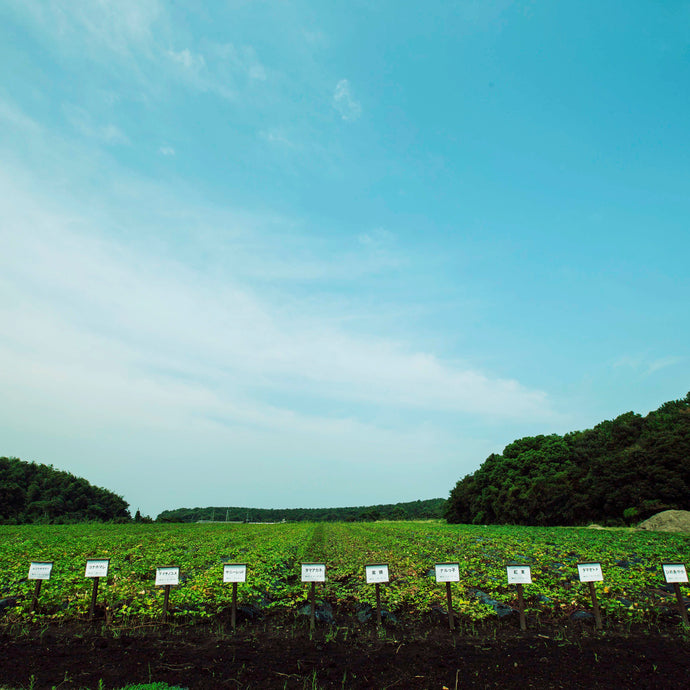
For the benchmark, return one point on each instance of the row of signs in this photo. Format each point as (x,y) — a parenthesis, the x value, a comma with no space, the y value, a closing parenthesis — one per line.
(41,570)
(375,573)
(592,572)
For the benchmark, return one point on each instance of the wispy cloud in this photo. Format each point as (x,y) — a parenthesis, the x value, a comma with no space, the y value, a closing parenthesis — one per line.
(646,365)
(122,28)
(345,103)
(166,150)
(13,117)
(276,135)
(663,363)
(138,39)
(116,336)
(82,121)
(225,336)
(189,61)
(377,238)
(221,68)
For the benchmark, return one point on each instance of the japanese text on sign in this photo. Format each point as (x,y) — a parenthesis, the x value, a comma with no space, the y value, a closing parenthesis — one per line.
(447,572)
(376,573)
(40,571)
(519,574)
(313,572)
(675,572)
(97,568)
(167,576)
(234,573)
(590,572)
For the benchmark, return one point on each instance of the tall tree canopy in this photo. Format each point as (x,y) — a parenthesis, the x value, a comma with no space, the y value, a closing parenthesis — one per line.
(619,472)
(431,508)
(31,492)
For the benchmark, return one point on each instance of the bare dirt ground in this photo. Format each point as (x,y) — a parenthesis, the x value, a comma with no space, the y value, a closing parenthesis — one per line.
(283,654)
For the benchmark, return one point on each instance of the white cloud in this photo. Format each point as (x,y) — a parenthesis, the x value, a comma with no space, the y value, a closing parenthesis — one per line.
(121,27)
(222,69)
(155,314)
(133,39)
(662,363)
(257,72)
(188,60)
(276,136)
(82,121)
(166,150)
(378,238)
(15,118)
(645,364)
(345,103)
(242,59)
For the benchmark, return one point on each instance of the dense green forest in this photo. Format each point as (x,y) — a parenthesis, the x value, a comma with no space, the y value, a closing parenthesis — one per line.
(432,508)
(619,472)
(31,492)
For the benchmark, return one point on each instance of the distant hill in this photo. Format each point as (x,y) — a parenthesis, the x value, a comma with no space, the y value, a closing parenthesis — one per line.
(620,472)
(432,508)
(31,492)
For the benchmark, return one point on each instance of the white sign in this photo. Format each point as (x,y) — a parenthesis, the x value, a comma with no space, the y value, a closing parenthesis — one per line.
(376,573)
(97,568)
(313,572)
(447,572)
(169,575)
(519,574)
(234,572)
(40,571)
(675,572)
(590,572)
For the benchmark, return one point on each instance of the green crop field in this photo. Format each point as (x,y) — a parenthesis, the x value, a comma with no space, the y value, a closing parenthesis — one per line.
(633,587)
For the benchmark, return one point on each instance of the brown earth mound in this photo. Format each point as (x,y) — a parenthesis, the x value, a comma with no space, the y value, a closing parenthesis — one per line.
(668,521)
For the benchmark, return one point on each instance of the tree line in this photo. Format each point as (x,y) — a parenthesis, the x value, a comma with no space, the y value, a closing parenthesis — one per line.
(32,492)
(413,510)
(620,472)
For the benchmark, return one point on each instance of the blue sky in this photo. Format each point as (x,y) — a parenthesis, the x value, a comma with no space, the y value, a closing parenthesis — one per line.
(285,254)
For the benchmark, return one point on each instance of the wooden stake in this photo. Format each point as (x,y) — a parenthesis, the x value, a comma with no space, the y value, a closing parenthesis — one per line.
(94,594)
(234,605)
(313,606)
(595,606)
(681,605)
(521,607)
(378,605)
(166,596)
(37,591)
(449,599)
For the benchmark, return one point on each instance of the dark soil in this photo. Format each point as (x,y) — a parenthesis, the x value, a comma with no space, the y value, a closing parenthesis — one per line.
(280,654)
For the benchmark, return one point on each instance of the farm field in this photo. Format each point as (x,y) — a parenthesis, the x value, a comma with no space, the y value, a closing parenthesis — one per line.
(643,642)
(633,590)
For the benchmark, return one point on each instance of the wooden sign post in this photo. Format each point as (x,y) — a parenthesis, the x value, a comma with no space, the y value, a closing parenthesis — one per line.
(39,571)
(448,572)
(520,575)
(167,576)
(234,572)
(675,573)
(376,574)
(591,573)
(313,572)
(96,569)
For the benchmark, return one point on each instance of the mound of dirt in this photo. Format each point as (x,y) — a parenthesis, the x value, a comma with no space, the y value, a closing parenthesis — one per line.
(668,521)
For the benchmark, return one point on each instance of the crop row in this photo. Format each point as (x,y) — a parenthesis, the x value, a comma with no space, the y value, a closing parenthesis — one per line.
(633,586)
